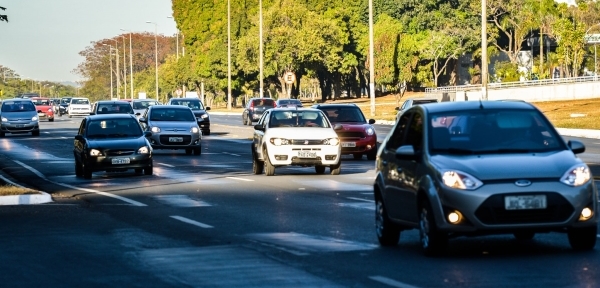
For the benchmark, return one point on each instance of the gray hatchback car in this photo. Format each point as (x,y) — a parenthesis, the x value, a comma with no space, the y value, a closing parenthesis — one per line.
(475,168)
(172,127)
(19,116)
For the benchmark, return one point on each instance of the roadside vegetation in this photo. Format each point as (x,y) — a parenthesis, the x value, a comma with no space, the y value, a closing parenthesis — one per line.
(8,190)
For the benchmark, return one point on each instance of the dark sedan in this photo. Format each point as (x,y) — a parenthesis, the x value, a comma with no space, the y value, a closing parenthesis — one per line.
(111,107)
(202,117)
(111,142)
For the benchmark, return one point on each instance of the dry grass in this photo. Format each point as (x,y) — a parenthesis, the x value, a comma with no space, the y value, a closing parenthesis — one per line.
(563,114)
(7,190)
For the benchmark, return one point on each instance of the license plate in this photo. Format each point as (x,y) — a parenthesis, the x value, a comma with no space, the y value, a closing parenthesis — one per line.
(306,154)
(117,161)
(348,144)
(525,202)
(175,139)
(20,125)
(41,114)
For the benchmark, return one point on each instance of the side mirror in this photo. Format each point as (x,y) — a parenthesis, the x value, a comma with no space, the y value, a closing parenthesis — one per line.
(79,138)
(338,127)
(138,114)
(143,120)
(397,108)
(371,121)
(406,152)
(576,146)
(259,127)
(207,108)
(92,113)
(147,134)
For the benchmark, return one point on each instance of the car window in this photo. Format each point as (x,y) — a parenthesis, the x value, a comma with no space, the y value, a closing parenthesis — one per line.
(344,114)
(80,101)
(41,102)
(167,114)
(298,119)
(414,135)
(65,100)
(143,104)
(397,138)
(17,106)
(192,104)
(112,108)
(263,102)
(113,128)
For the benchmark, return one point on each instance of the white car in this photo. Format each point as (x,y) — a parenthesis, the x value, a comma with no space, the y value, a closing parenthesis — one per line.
(298,137)
(79,107)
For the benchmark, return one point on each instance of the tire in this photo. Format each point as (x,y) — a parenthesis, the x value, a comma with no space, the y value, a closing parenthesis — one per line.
(78,169)
(51,120)
(244,122)
(357,156)
(35,133)
(2,134)
(433,242)
(257,165)
(524,235)
(148,170)
(87,173)
(139,170)
(188,151)
(198,151)
(335,169)
(320,169)
(387,232)
(583,239)
(206,132)
(372,155)
(269,168)
(249,120)
(70,116)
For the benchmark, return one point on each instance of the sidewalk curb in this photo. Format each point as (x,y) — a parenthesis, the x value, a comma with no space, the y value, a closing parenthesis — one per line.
(26,199)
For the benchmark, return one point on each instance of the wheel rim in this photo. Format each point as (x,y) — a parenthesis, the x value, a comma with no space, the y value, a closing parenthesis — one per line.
(379,214)
(424,228)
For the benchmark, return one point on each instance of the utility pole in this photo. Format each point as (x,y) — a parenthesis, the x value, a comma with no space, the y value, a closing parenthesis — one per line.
(371,60)
(228,54)
(484,56)
(260,48)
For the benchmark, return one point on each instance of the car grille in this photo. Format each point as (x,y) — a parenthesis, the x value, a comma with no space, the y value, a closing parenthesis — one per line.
(492,211)
(164,140)
(307,142)
(118,152)
(343,134)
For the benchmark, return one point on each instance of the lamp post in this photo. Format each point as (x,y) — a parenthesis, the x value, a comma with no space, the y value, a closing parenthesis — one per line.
(229,55)
(110,60)
(130,65)
(484,56)
(371,60)
(117,67)
(155,55)
(260,47)
(124,70)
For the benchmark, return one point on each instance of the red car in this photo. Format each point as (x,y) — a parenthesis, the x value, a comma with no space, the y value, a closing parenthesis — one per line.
(44,108)
(356,134)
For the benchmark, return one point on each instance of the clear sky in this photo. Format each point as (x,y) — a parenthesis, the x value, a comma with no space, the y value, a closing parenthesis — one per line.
(43,38)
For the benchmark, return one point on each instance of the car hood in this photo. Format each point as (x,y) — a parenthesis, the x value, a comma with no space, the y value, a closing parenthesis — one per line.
(117,143)
(21,115)
(168,125)
(510,166)
(43,107)
(302,133)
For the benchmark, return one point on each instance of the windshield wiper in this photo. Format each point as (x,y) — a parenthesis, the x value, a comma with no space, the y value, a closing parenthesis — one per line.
(457,151)
(118,135)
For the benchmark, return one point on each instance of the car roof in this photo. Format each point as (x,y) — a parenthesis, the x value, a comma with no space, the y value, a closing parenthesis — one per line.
(40,98)
(112,101)
(335,105)
(168,106)
(18,99)
(111,116)
(474,105)
(295,109)
(143,100)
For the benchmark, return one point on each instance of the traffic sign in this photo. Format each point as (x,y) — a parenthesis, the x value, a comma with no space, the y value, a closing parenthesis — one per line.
(289,78)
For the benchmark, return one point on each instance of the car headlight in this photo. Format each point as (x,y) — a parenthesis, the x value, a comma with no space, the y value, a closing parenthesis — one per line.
(460,180)
(370,131)
(4,119)
(194,130)
(204,116)
(34,118)
(143,150)
(331,141)
(155,129)
(50,110)
(280,141)
(576,176)
(95,152)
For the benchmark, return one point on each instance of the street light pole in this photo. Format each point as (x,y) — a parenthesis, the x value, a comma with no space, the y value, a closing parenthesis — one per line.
(155,55)
(484,56)
(229,55)
(124,69)
(117,67)
(130,65)
(110,60)
(371,60)
(260,47)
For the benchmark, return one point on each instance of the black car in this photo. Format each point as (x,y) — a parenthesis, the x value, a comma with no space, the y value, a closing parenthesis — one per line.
(111,142)
(111,107)
(255,108)
(199,110)
(64,106)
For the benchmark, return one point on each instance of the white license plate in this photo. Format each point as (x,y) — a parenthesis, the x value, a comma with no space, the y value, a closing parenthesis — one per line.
(117,161)
(41,114)
(348,144)
(175,139)
(524,202)
(307,154)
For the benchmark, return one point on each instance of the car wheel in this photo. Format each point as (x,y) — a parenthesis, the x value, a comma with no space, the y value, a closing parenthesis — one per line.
(198,151)
(78,169)
(320,169)
(2,134)
(206,132)
(257,165)
(433,242)
(524,235)
(51,120)
(583,238)
(188,151)
(372,155)
(244,121)
(70,116)
(139,170)
(87,172)
(35,133)
(269,168)
(388,233)
(148,170)
(249,121)
(336,169)
(357,156)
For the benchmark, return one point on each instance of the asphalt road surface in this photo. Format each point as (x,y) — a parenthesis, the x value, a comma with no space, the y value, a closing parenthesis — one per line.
(207,221)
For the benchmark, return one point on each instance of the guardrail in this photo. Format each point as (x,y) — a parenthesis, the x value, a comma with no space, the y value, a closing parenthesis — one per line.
(502,85)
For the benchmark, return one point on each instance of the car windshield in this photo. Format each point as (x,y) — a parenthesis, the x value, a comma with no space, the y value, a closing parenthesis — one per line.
(17,106)
(114,108)
(344,114)
(41,102)
(263,102)
(143,104)
(114,128)
(297,119)
(290,102)
(491,132)
(65,100)
(168,114)
(80,101)
(192,104)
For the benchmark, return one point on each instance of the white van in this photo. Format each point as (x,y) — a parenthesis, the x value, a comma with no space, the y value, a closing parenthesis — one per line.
(79,107)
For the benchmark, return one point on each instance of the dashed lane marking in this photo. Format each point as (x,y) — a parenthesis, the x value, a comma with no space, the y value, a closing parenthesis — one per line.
(240,179)
(164,164)
(310,243)
(180,201)
(190,221)
(391,282)
(360,199)
(232,154)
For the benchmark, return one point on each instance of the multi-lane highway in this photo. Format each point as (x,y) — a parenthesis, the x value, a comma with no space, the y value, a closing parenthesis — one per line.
(207,221)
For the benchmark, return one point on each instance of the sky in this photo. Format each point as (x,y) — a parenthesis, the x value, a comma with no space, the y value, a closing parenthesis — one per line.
(43,38)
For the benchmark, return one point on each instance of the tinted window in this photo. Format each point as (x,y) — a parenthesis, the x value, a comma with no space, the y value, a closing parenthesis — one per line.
(191,103)
(65,100)
(143,104)
(166,114)
(263,102)
(41,101)
(344,114)
(113,128)
(17,106)
(113,108)
(80,101)
(397,138)
(297,119)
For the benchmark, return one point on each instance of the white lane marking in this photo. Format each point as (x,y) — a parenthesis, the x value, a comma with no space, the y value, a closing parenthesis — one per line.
(180,201)
(391,282)
(11,182)
(38,173)
(324,184)
(241,179)
(63,137)
(167,165)
(310,243)
(232,154)
(359,199)
(190,221)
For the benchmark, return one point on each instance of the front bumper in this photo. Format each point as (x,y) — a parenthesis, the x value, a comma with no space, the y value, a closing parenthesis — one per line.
(46,116)
(303,155)
(105,163)
(204,124)
(19,126)
(358,145)
(85,112)
(175,141)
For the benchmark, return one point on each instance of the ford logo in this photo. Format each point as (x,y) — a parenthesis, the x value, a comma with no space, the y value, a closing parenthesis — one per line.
(523,183)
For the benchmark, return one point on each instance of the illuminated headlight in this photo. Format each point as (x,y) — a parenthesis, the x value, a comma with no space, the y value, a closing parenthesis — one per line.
(50,110)
(576,176)
(586,214)
(34,118)
(95,152)
(370,131)
(204,116)
(280,141)
(194,130)
(143,150)
(4,119)
(460,180)
(155,129)
(331,141)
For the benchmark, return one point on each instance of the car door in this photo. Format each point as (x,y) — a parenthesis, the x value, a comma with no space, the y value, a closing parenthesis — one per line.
(78,144)
(259,134)
(407,169)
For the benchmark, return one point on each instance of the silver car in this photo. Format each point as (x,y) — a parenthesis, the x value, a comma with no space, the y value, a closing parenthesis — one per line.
(172,127)
(140,106)
(19,116)
(482,167)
